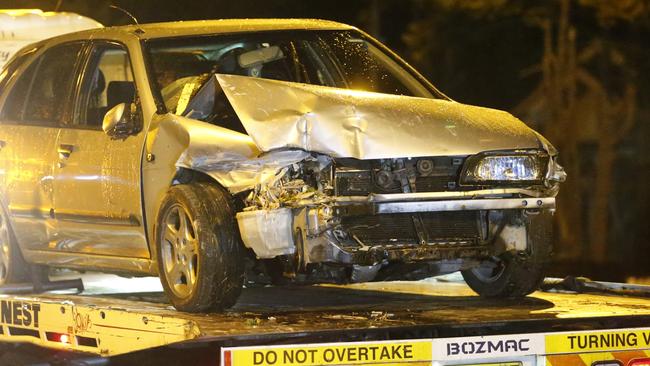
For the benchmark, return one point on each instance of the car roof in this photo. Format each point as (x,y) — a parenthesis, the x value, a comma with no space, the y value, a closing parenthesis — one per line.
(219,26)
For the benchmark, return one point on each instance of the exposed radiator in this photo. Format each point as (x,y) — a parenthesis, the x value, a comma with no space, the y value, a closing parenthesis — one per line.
(456,227)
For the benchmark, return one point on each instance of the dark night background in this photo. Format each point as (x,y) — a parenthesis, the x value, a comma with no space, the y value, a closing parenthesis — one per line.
(577,71)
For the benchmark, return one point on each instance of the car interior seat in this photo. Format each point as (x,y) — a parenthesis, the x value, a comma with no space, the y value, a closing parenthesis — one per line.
(96,111)
(120,92)
(229,63)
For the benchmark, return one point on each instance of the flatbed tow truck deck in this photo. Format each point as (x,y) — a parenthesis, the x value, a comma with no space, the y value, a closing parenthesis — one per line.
(128,322)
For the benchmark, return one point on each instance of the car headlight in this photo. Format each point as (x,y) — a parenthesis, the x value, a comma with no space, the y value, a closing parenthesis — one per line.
(504,168)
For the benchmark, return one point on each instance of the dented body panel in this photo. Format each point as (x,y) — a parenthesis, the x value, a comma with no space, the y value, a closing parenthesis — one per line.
(363,125)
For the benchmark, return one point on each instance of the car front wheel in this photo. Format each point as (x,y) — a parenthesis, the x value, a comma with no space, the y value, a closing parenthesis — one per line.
(516,274)
(200,257)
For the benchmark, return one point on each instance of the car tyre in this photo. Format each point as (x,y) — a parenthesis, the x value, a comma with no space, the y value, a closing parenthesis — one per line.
(516,274)
(199,252)
(13,268)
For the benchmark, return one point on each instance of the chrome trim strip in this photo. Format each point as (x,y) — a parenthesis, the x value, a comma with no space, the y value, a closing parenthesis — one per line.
(465,205)
(81,218)
(78,217)
(29,212)
(483,193)
(103,263)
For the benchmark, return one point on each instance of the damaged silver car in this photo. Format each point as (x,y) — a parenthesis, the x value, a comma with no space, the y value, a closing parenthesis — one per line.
(293,151)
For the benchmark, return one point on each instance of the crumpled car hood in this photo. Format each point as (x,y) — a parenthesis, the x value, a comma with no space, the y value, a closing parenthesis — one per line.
(363,125)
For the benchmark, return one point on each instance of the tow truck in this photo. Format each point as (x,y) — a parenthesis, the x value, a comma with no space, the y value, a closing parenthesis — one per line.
(438,321)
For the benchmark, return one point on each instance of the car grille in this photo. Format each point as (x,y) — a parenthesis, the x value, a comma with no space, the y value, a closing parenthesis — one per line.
(441,228)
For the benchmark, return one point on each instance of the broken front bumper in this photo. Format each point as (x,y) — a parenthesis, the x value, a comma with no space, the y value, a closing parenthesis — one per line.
(393,227)
(384,207)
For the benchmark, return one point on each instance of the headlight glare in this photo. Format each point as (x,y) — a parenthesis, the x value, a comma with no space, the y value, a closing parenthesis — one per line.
(504,168)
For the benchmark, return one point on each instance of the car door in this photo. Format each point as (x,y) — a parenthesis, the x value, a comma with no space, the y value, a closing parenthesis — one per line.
(7,75)
(97,197)
(36,103)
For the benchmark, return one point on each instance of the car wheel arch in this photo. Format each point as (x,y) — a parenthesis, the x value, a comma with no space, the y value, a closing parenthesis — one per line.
(187,176)
(219,250)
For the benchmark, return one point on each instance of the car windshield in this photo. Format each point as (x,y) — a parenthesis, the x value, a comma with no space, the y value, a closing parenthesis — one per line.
(343,59)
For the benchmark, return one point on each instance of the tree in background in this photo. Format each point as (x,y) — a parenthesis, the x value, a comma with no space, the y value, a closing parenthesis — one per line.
(583,96)
(576,107)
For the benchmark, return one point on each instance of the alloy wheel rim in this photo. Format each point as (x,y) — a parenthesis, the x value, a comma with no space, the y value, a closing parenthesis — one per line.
(489,270)
(179,251)
(4,248)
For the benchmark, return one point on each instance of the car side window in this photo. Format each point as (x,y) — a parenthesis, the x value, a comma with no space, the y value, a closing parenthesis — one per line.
(14,105)
(52,85)
(108,81)
(42,92)
(13,66)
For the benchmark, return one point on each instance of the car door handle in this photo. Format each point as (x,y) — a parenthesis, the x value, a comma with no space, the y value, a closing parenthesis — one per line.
(2,144)
(64,151)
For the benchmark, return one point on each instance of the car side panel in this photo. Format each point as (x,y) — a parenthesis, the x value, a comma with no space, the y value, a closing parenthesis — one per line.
(97,197)
(26,163)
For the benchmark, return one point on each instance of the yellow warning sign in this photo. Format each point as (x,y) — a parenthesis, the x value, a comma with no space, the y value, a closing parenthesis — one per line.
(597,341)
(367,353)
